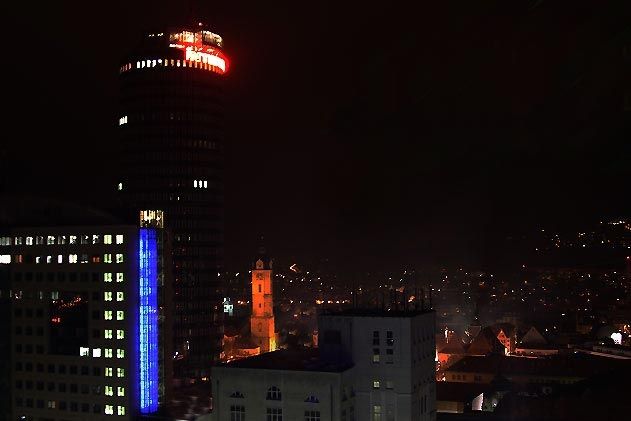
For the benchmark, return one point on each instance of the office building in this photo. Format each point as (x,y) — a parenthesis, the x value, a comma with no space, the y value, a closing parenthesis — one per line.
(171,133)
(89,307)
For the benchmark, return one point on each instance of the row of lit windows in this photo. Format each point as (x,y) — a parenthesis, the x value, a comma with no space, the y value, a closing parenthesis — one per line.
(109,315)
(109,391)
(50,240)
(63,406)
(120,372)
(108,296)
(376,384)
(107,277)
(172,63)
(59,259)
(109,334)
(199,184)
(109,410)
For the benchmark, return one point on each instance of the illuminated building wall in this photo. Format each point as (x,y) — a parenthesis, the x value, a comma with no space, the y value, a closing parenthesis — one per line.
(86,323)
(262,319)
(148,321)
(171,135)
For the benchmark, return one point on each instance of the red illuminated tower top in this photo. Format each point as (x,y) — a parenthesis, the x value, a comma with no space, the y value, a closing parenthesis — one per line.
(192,47)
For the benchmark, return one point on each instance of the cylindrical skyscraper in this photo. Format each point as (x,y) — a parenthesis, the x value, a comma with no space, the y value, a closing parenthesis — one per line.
(171,133)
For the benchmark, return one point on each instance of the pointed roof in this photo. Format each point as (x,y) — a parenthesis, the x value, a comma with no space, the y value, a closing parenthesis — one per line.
(485,343)
(533,337)
(263,261)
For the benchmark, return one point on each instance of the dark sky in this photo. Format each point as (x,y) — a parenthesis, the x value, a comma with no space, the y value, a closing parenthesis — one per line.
(403,133)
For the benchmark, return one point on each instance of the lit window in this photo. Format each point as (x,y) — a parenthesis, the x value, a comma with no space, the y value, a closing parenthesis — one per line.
(375,355)
(5,259)
(107,295)
(121,409)
(119,258)
(73,239)
(39,240)
(122,120)
(205,184)
(84,351)
(60,258)
(375,384)
(119,277)
(109,409)
(109,391)
(108,315)
(119,239)
(18,241)
(120,353)
(50,240)
(120,334)
(107,239)
(52,404)
(194,183)
(6,241)
(120,315)
(72,258)
(107,277)
(96,239)
(38,259)
(96,353)
(61,239)
(108,333)
(120,186)
(107,258)
(120,296)
(49,259)
(108,352)
(121,391)
(109,371)
(29,241)
(120,372)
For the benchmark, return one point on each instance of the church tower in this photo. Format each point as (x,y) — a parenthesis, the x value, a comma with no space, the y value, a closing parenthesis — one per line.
(262,319)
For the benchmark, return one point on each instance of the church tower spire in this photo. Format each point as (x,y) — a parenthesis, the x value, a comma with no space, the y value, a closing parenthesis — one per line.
(262,319)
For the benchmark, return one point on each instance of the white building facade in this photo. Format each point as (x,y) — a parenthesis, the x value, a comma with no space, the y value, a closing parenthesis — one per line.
(371,365)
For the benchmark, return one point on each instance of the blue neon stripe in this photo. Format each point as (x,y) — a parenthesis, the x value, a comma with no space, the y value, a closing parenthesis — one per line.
(148,321)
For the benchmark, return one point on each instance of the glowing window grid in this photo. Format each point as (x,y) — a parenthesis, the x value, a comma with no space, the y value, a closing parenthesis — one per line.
(148,321)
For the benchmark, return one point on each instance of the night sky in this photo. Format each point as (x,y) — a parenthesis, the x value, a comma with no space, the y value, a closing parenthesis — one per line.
(367,137)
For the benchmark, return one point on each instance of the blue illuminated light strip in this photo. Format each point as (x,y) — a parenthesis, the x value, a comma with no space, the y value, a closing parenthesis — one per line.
(148,321)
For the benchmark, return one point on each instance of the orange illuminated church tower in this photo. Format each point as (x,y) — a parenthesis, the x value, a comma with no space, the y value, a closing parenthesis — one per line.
(262,319)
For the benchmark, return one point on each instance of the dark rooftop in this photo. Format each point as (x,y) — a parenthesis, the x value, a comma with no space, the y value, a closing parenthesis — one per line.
(459,392)
(574,365)
(306,359)
(375,312)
